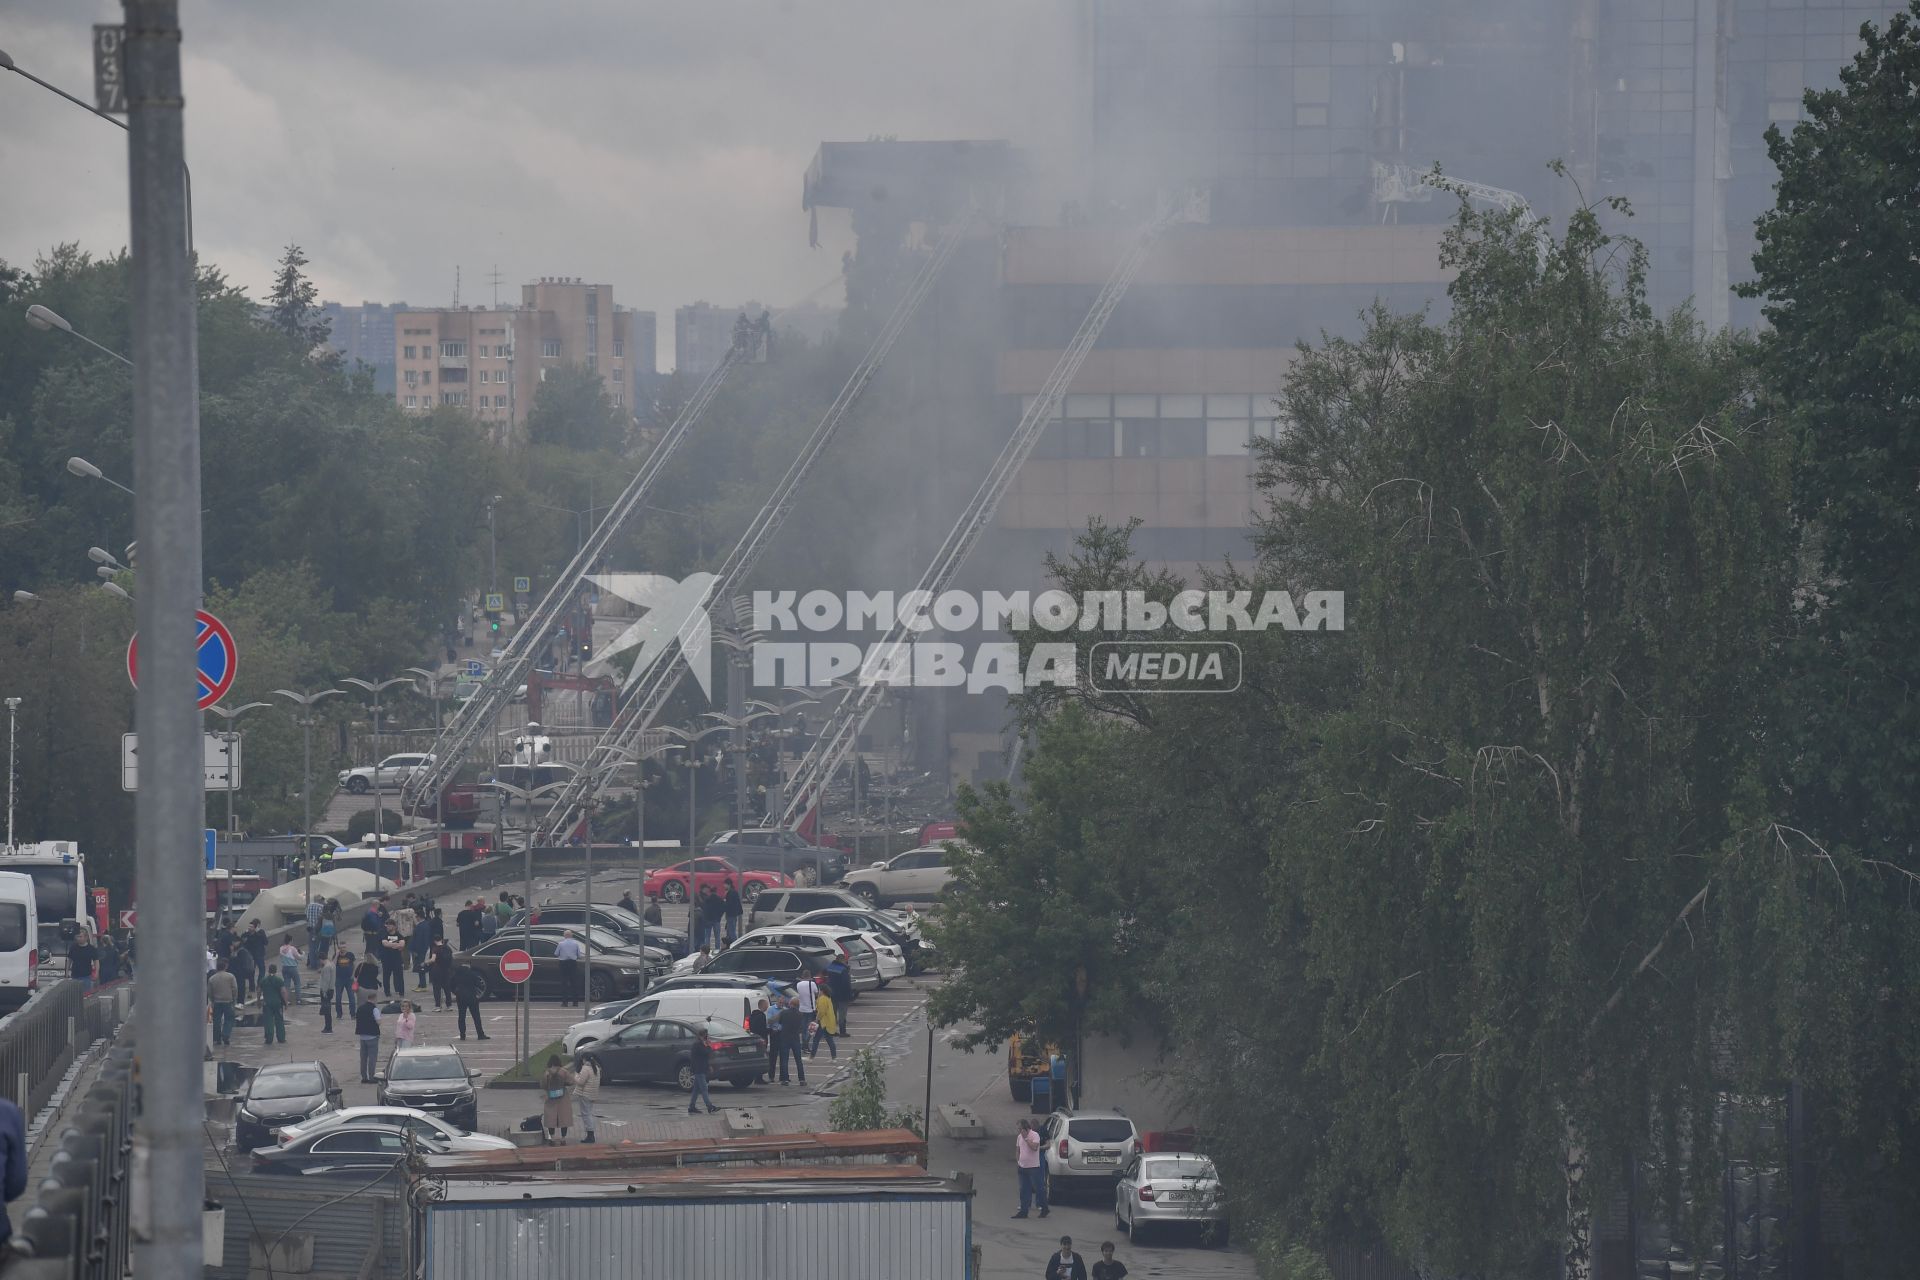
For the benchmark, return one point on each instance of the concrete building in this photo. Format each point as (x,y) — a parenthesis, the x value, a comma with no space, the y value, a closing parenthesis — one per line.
(492,362)
(702,335)
(364,335)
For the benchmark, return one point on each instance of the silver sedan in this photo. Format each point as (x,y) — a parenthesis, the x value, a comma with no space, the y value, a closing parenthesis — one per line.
(1170,1189)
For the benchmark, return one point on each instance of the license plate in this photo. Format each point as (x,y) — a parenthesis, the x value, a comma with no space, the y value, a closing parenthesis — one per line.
(1103,1159)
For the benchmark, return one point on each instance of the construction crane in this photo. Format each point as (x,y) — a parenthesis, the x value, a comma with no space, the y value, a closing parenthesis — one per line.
(456,742)
(843,728)
(663,677)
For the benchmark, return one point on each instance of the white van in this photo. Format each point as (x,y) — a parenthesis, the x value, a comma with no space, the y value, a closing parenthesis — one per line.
(728,1005)
(19,940)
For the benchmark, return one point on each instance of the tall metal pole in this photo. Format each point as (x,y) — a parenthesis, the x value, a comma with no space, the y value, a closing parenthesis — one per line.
(526,933)
(169,1178)
(379,834)
(306,800)
(13,710)
(639,830)
(586,973)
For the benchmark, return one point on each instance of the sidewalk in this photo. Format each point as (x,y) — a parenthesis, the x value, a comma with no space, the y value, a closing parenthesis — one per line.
(43,1130)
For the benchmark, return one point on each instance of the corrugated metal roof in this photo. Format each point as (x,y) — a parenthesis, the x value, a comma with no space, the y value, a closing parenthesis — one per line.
(804,1148)
(845,1237)
(680,1184)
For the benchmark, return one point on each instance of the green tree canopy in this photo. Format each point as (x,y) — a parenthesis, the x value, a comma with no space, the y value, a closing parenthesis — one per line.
(572,409)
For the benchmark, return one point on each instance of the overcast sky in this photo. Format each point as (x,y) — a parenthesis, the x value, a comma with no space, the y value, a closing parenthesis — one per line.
(657,145)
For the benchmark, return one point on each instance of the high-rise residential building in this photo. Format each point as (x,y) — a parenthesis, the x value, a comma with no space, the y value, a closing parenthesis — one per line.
(364,335)
(492,361)
(702,335)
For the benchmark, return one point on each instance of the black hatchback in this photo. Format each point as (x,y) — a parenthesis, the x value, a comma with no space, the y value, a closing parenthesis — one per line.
(282,1095)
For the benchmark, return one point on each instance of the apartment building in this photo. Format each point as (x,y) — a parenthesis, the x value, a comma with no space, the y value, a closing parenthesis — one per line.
(703,334)
(491,361)
(364,336)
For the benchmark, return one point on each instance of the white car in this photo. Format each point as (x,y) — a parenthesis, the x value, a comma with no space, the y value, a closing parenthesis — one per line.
(393,772)
(428,1126)
(918,875)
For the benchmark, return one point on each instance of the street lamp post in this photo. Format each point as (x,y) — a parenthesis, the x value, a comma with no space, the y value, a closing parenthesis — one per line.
(13,708)
(527,795)
(433,691)
(49,320)
(305,702)
(232,736)
(374,687)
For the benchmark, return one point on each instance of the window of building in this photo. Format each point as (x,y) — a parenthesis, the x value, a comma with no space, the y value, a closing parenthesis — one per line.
(551,350)
(619,348)
(413,377)
(453,349)
(410,352)
(616,399)
(412,402)
(1089,438)
(426,375)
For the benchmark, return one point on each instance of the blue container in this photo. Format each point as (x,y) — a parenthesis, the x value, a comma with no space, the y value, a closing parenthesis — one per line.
(1042,1096)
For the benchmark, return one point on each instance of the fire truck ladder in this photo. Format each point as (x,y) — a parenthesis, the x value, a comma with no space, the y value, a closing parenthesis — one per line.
(456,742)
(849,719)
(659,682)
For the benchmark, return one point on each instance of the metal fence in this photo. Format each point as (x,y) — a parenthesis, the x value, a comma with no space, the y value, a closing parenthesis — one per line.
(77,1227)
(40,1042)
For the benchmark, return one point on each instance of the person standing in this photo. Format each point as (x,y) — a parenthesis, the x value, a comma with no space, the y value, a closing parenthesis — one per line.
(556,1115)
(108,967)
(255,941)
(731,909)
(366,1026)
(503,909)
(776,1057)
(290,969)
(440,973)
(627,903)
(366,980)
(467,925)
(568,952)
(13,1158)
(224,941)
(757,1028)
(223,992)
(1108,1268)
(700,1059)
(824,1028)
(81,956)
(329,931)
(586,1091)
(808,992)
(393,962)
(273,1005)
(715,912)
(1066,1264)
(316,908)
(1026,1158)
(793,1034)
(405,1026)
(418,947)
(323,981)
(466,998)
(373,927)
(489,925)
(243,971)
(343,982)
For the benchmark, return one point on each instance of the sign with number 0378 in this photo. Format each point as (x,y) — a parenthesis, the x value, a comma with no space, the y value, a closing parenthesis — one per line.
(110,69)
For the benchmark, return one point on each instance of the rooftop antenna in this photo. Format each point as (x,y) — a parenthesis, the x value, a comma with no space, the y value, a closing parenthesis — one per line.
(493,278)
(456,288)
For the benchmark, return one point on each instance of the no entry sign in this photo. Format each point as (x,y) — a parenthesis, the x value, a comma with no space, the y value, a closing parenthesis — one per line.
(219,660)
(516,966)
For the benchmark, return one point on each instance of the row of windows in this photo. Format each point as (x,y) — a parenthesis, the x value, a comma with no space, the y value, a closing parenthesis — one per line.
(1144,426)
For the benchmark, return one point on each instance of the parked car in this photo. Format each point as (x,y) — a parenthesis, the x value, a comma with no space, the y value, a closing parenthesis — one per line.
(354,1148)
(751,982)
(430,1078)
(862,961)
(778,906)
(1081,1147)
(660,1049)
(917,954)
(616,972)
(788,964)
(729,1004)
(393,772)
(280,1095)
(772,849)
(1170,1189)
(918,875)
(669,884)
(421,1123)
(631,928)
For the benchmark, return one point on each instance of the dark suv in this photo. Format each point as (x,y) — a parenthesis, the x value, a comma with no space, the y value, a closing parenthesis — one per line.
(431,1078)
(771,849)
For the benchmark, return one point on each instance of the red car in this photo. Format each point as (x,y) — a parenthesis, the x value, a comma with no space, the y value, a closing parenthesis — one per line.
(669,884)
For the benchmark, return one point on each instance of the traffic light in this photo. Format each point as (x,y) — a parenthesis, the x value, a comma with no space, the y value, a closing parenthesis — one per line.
(493,624)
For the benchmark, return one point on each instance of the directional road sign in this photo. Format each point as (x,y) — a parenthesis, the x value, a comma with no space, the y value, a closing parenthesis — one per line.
(213,762)
(516,966)
(127,918)
(219,658)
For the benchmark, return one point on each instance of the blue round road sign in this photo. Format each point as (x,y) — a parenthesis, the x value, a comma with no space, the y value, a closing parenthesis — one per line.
(219,660)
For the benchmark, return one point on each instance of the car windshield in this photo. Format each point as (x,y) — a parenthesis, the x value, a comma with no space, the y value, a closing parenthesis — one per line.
(1180,1167)
(439,1066)
(1100,1130)
(287,1084)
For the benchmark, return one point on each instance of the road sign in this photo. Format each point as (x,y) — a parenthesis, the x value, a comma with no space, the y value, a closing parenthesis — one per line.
(516,966)
(126,919)
(219,659)
(522,585)
(110,68)
(213,846)
(495,602)
(474,667)
(213,762)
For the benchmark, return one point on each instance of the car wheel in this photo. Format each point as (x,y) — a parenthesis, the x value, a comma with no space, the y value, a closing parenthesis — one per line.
(1119,1223)
(601,987)
(673,891)
(358,786)
(752,891)
(738,1082)
(1134,1232)
(807,876)
(482,991)
(867,891)
(684,1077)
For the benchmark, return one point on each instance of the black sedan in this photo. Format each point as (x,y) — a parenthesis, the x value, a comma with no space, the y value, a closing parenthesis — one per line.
(662,1049)
(283,1095)
(358,1149)
(617,969)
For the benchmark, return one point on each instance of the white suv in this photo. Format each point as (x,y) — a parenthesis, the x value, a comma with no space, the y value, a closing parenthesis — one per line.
(1086,1147)
(918,875)
(393,772)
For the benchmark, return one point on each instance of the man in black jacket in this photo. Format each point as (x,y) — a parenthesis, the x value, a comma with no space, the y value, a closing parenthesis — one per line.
(757,1027)
(1066,1264)
(466,997)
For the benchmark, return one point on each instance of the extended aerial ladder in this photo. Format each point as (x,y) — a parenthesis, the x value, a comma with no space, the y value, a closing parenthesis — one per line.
(456,742)
(842,730)
(663,677)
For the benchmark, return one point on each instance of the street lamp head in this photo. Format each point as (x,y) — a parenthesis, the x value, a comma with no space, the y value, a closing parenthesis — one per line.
(24,597)
(104,572)
(47,318)
(6,60)
(100,555)
(81,467)
(115,589)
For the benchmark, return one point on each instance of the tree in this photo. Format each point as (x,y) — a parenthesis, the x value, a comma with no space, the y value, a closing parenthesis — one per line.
(861,1102)
(293,306)
(572,409)
(1842,296)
